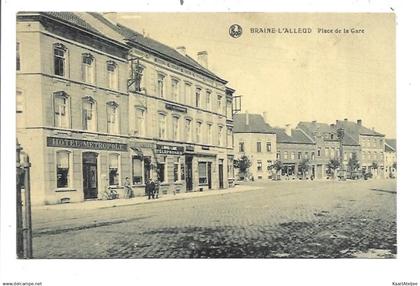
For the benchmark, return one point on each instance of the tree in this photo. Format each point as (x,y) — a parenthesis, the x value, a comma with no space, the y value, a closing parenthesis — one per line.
(333,165)
(304,167)
(276,166)
(242,164)
(353,163)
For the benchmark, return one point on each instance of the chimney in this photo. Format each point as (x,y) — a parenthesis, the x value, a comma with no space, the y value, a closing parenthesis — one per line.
(288,129)
(265,116)
(182,50)
(202,58)
(359,122)
(246,118)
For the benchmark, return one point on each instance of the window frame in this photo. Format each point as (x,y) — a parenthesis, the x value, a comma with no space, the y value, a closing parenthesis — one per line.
(67,109)
(88,69)
(69,176)
(118,174)
(112,105)
(90,100)
(62,48)
(113,76)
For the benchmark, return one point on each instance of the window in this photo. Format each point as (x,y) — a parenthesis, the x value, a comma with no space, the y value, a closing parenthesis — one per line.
(19,109)
(63,169)
(306,155)
(162,126)
(219,103)
(198,132)
(345,156)
(241,147)
(89,114)
(208,100)
(268,146)
(230,137)
(299,155)
(188,96)
(88,68)
(140,122)
(202,173)
(137,170)
(175,89)
(188,133)
(313,156)
(59,59)
(259,166)
(197,97)
(17,56)
(331,136)
(258,146)
(114,176)
(332,153)
(175,128)
(269,163)
(292,155)
(229,110)
(112,118)
(220,136)
(209,134)
(160,84)
(182,169)
(176,170)
(319,152)
(61,110)
(161,170)
(112,69)
(286,155)
(327,151)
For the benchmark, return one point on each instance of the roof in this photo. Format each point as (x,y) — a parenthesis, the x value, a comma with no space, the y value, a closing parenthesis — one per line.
(390,145)
(297,136)
(157,47)
(355,129)
(256,124)
(313,127)
(73,19)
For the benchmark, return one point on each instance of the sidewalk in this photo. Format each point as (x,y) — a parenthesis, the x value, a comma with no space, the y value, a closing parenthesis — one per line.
(101,204)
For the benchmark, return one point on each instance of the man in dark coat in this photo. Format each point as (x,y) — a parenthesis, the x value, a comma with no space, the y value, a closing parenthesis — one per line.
(152,189)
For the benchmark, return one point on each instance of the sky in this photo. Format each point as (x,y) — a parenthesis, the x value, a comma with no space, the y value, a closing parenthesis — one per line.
(292,76)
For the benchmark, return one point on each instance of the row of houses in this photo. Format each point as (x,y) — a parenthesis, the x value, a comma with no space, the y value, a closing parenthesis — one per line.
(315,142)
(99,104)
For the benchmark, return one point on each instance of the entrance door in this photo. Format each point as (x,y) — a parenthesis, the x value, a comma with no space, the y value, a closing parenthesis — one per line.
(90,176)
(188,173)
(147,167)
(221,175)
(209,173)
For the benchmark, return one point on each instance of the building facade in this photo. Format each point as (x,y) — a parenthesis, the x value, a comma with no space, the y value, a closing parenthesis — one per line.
(390,158)
(255,139)
(294,146)
(108,108)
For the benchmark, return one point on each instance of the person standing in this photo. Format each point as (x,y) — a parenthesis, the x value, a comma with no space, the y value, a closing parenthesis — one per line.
(152,189)
(127,188)
(157,187)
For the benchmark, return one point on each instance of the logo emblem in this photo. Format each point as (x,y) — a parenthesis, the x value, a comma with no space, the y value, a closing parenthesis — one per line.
(235,31)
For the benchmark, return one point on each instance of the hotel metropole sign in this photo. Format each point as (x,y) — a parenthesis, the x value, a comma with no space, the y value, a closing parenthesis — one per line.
(85,144)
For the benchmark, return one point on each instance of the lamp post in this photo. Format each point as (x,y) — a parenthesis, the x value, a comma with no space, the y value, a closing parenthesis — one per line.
(340,135)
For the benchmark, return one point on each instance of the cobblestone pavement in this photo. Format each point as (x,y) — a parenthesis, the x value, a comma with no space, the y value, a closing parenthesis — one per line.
(279,220)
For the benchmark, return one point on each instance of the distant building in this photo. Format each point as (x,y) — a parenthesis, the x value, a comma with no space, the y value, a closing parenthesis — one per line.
(293,146)
(255,138)
(328,146)
(372,146)
(390,158)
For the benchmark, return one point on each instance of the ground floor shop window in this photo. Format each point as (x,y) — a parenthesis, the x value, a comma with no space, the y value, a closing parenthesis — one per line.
(137,170)
(114,176)
(63,167)
(182,169)
(202,173)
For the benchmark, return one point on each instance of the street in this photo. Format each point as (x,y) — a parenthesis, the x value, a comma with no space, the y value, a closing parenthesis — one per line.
(299,219)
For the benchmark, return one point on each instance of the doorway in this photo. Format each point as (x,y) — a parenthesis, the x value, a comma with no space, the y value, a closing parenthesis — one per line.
(221,186)
(90,175)
(188,173)
(209,174)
